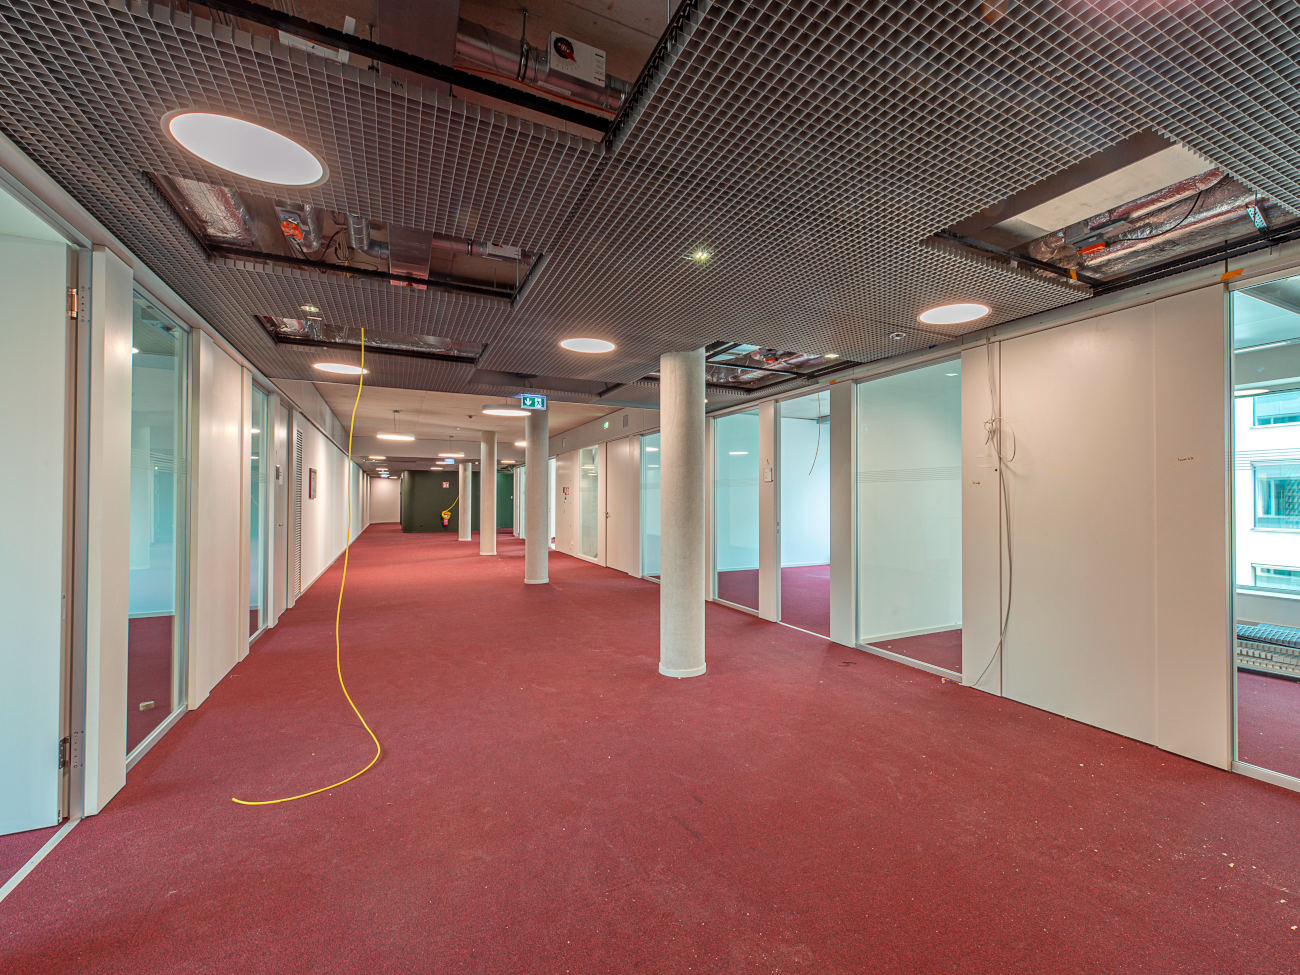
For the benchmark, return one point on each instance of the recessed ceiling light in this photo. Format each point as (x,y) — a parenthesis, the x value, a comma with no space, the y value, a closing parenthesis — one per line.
(700,255)
(443,454)
(499,409)
(245,149)
(898,336)
(134,350)
(340,368)
(310,309)
(955,314)
(587,345)
(521,443)
(1249,392)
(406,437)
(376,457)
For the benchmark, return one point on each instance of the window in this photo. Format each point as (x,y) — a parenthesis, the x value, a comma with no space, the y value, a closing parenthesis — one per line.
(1276,577)
(1277,496)
(1272,409)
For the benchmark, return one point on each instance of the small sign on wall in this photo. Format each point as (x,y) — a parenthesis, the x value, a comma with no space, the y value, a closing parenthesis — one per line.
(311,482)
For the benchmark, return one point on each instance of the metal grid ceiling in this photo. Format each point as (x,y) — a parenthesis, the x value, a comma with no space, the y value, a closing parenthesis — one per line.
(811,146)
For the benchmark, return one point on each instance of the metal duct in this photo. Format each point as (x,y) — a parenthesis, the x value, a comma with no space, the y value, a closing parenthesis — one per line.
(359,238)
(482,50)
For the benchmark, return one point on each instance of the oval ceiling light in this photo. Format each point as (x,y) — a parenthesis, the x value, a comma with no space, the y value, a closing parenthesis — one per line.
(245,149)
(593,346)
(340,368)
(955,314)
(503,409)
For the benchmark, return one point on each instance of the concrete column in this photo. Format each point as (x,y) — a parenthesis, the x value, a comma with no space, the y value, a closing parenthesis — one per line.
(465,508)
(683,570)
(537,487)
(487,493)
(844,583)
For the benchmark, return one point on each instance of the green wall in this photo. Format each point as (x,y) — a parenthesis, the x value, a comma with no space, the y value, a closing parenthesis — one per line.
(423,499)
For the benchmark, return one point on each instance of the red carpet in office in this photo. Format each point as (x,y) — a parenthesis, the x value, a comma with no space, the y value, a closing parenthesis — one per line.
(16,849)
(805,594)
(941,649)
(548,803)
(1268,722)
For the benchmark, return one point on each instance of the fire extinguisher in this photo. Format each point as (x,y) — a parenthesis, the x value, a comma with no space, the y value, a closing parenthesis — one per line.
(446,515)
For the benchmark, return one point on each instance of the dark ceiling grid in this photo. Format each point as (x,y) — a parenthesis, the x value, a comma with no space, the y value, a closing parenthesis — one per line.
(813,146)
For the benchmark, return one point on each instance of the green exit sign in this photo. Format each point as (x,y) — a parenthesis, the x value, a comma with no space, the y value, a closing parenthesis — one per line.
(532,401)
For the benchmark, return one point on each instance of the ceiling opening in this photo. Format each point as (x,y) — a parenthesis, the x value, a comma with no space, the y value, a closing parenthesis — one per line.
(243,227)
(316,332)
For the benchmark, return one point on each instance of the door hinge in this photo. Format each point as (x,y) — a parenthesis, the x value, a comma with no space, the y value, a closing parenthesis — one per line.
(65,752)
(72,302)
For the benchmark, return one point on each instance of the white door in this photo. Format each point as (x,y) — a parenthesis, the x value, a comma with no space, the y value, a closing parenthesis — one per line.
(34,332)
(622,505)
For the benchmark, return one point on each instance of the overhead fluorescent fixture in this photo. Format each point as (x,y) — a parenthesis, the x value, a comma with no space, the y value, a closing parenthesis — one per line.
(404,437)
(245,149)
(958,313)
(340,368)
(376,457)
(447,453)
(588,345)
(503,409)
(521,443)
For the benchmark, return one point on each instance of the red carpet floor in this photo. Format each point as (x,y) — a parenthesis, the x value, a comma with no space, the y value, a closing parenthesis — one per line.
(548,803)
(1268,722)
(805,594)
(17,848)
(941,649)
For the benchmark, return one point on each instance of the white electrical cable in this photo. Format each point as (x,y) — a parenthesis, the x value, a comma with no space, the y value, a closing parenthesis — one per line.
(996,435)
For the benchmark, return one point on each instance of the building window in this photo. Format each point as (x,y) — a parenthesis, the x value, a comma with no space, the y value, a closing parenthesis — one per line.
(1277,496)
(1276,577)
(1272,409)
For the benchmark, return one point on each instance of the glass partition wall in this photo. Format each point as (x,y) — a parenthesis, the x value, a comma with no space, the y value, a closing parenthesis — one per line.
(909,515)
(735,508)
(258,549)
(804,482)
(158,520)
(1266,523)
(650,506)
(589,502)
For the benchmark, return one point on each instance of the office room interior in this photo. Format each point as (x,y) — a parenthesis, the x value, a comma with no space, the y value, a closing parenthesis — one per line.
(635,487)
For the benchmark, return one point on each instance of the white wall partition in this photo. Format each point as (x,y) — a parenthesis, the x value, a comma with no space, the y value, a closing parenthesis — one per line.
(1117,522)
(622,491)
(564,502)
(35,336)
(324,517)
(385,500)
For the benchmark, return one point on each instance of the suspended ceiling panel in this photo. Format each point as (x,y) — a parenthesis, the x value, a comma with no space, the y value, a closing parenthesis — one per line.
(812,147)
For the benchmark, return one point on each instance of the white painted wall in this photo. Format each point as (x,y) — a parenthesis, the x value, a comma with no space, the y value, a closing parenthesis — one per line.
(909,503)
(622,471)
(805,491)
(218,623)
(34,335)
(385,500)
(324,517)
(1118,524)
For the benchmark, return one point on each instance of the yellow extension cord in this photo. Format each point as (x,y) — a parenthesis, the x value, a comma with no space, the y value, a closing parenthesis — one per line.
(338,611)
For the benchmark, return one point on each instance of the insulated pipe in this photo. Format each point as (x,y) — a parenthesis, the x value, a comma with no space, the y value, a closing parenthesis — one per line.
(487,493)
(537,488)
(682,576)
(466,496)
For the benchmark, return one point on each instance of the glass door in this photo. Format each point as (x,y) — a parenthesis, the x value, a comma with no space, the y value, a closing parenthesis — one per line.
(735,509)
(804,480)
(650,506)
(589,502)
(158,520)
(258,617)
(909,543)
(1266,523)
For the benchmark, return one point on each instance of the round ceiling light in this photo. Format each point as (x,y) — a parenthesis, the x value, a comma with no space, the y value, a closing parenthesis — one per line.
(503,409)
(594,346)
(956,314)
(245,149)
(340,368)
